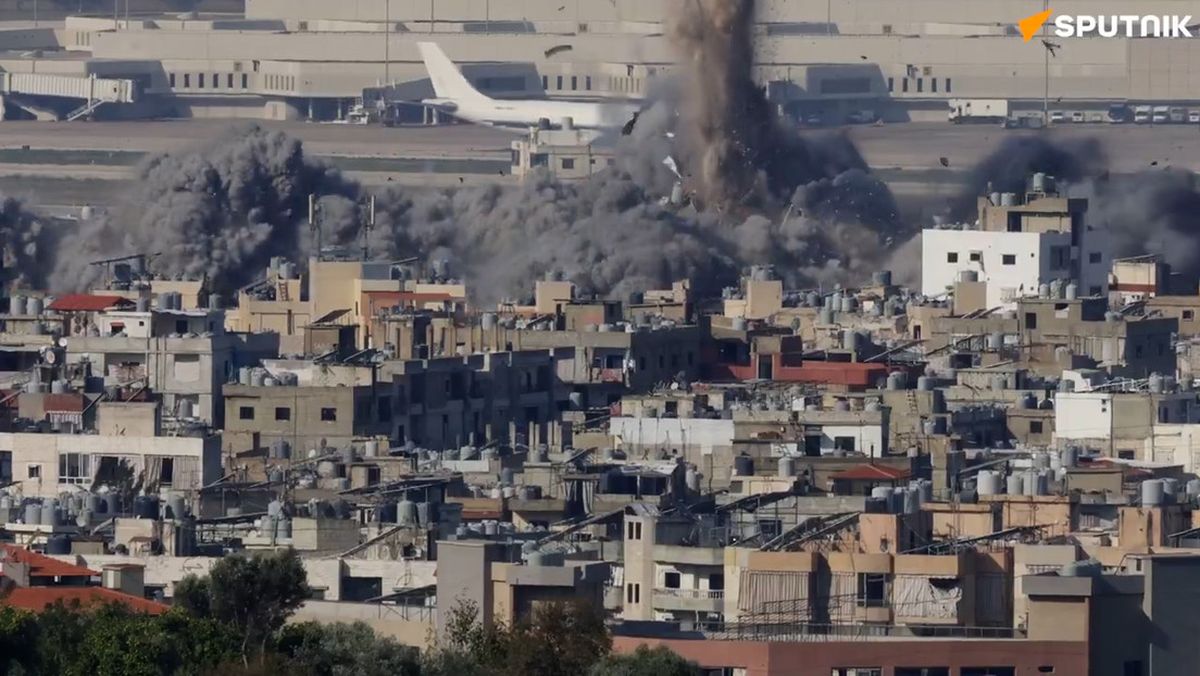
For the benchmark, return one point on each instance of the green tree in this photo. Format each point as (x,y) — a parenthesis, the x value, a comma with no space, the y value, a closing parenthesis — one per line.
(18,638)
(254,595)
(341,649)
(646,661)
(556,639)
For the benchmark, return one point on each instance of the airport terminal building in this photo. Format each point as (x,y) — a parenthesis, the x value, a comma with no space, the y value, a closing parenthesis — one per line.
(313,59)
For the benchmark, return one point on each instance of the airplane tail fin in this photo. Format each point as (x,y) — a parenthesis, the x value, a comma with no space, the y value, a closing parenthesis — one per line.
(448,82)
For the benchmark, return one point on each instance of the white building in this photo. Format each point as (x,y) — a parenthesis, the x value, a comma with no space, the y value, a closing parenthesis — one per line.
(1123,424)
(1012,264)
(1019,245)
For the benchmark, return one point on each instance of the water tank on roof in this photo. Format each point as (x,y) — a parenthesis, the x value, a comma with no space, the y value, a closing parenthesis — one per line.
(1088,568)
(58,386)
(787,467)
(51,514)
(145,507)
(283,528)
(1069,457)
(849,305)
(743,465)
(826,317)
(998,382)
(1071,291)
(176,507)
(270,382)
(487,321)
(882,278)
(16,305)
(112,504)
(912,501)
(968,276)
(896,380)
(1015,484)
(814,299)
(850,340)
(995,340)
(692,477)
(873,406)
(287,270)
(1170,487)
(1157,383)
(491,528)
(34,306)
(507,476)
(58,545)
(1193,488)
(1041,460)
(32,514)
(925,384)
(882,493)
(988,483)
(508,492)
(346,455)
(387,512)
(370,448)
(245,376)
(1008,199)
(841,405)
(258,377)
(738,324)
(183,409)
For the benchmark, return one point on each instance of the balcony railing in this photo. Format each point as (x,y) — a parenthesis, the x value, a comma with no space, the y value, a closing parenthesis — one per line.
(691,593)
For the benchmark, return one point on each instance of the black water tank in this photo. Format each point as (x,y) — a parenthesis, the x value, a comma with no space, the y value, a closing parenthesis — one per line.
(58,545)
(145,507)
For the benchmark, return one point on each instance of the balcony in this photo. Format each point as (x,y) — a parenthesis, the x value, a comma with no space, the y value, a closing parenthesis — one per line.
(609,375)
(694,600)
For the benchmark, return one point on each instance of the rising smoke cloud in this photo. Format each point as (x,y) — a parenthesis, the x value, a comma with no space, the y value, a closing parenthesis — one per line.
(761,194)
(220,211)
(1150,211)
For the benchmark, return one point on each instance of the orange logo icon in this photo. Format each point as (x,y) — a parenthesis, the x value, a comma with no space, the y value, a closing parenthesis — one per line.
(1030,25)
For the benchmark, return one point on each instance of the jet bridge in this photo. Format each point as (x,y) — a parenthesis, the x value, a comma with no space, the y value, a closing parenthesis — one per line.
(92,90)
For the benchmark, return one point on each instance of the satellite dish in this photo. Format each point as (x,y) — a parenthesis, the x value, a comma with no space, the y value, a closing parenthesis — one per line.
(50,357)
(62,342)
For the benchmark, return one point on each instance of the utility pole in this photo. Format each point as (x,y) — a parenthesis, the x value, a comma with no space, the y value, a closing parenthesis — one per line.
(1046,93)
(387,42)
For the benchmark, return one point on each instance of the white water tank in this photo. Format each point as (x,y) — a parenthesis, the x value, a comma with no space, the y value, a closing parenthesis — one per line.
(1153,493)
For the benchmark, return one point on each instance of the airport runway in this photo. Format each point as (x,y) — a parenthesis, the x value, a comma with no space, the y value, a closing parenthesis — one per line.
(89,162)
(906,146)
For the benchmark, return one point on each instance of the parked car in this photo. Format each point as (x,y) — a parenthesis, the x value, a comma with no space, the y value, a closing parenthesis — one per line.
(1194,117)
(1057,117)
(1118,113)
(1077,117)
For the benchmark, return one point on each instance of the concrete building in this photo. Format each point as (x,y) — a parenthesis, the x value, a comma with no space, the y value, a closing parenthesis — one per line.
(1019,244)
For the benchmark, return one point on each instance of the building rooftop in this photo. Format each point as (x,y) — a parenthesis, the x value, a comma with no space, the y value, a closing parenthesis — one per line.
(83,302)
(871,472)
(39,598)
(41,565)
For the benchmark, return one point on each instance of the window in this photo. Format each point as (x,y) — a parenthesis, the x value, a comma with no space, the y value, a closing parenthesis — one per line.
(920,84)
(952,257)
(166,475)
(539,160)
(35,471)
(574,83)
(73,468)
(922,671)
(216,81)
(989,671)
(872,590)
(844,444)
(904,85)
(1030,320)
(1093,291)
(181,326)
(559,82)
(1035,426)
(1009,259)
(641,363)
(587,83)
(545,82)
(857,671)
(933,85)
(1095,257)
(200,80)
(671,580)
(171,77)
(1131,668)
(891,84)
(187,80)
(246,413)
(245,80)
(716,581)
(229,81)
(329,414)
(975,256)
(637,530)
(6,474)
(568,163)
(283,413)
(383,409)
(1126,455)
(948,88)
(1189,315)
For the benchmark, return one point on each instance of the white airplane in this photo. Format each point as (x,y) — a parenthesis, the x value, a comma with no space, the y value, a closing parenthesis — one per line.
(456,96)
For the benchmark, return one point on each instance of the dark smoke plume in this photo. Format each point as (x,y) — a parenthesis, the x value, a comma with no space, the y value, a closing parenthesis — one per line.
(220,211)
(27,246)
(761,192)
(1154,211)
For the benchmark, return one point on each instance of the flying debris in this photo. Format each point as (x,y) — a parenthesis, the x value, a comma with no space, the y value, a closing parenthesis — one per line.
(631,124)
(558,49)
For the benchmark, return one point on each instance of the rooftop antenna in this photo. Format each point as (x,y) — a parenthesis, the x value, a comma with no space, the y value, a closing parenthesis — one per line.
(314,223)
(370,225)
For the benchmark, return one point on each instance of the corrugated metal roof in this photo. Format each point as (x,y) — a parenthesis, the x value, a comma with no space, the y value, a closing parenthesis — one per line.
(871,472)
(83,302)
